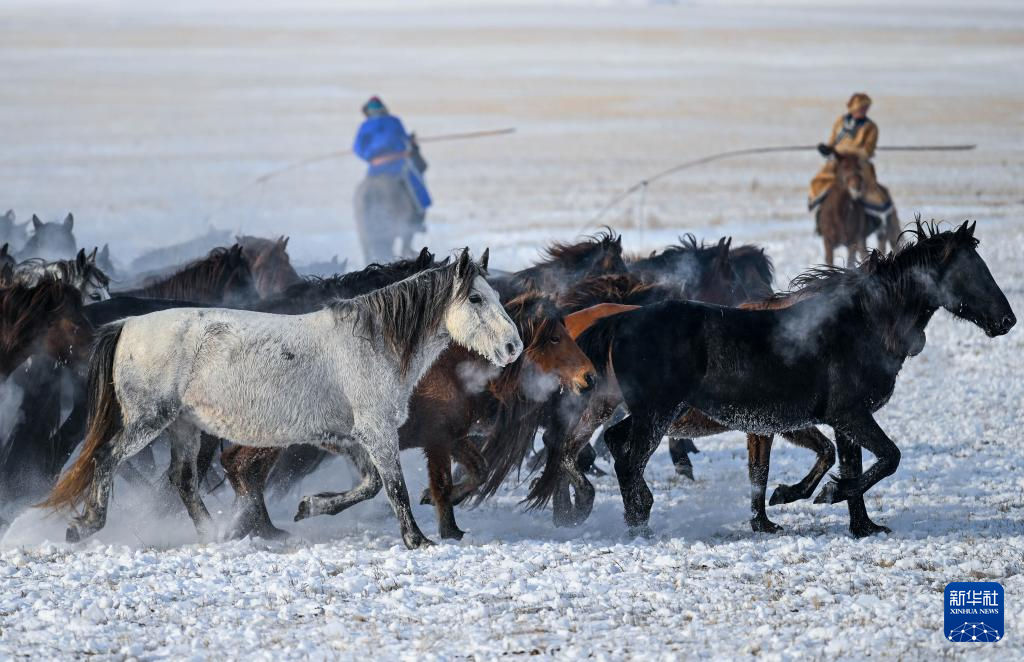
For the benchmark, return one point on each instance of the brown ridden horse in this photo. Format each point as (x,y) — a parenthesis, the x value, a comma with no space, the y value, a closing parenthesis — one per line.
(224,277)
(271,266)
(841,219)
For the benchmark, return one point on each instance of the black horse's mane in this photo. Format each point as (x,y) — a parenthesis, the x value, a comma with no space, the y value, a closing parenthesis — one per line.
(571,255)
(891,288)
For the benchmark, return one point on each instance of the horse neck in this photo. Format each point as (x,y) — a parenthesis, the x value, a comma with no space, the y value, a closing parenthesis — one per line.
(901,306)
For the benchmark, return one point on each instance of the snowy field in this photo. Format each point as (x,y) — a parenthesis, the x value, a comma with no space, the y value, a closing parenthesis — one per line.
(143,119)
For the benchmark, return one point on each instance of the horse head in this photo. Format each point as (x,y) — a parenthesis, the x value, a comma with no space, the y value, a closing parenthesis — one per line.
(550,350)
(474,316)
(849,174)
(52,241)
(90,279)
(966,287)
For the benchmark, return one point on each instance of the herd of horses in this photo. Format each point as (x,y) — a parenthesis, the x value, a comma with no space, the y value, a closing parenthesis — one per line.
(236,355)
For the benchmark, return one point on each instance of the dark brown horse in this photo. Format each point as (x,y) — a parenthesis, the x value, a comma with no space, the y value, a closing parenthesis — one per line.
(271,266)
(45,319)
(224,277)
(565,264)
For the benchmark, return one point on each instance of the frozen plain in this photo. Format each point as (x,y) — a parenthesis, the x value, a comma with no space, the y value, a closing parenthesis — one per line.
(142,120)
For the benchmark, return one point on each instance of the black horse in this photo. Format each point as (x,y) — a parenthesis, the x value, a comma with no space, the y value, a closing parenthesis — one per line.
(830,358)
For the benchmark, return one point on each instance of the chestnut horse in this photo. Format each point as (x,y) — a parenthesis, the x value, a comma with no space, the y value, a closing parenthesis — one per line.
(841,219)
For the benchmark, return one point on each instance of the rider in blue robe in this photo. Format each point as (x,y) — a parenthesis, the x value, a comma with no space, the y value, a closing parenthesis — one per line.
(383,142)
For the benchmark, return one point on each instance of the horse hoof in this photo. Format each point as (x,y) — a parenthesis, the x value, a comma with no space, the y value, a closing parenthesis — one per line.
(72,535)
(867,529)
(783,494)
(684,470)
(764,525)
(828,494)
(271,532)
(418,541)
(454,533)
(425,499)
(641,531)
(305,510)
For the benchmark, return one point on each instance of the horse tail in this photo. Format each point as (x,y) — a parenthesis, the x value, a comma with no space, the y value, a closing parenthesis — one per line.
(596,343)
(104,422)
(507,446)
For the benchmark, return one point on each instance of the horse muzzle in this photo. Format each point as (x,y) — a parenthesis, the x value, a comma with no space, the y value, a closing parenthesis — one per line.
(582,384)
(1002,327)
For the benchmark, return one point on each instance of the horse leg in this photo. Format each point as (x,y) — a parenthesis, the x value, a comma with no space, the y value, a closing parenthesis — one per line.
(679,448)
(332,503)
(632,441)
(381,444)
(829,249)
(439,467)
(472,460)
(247,468)
(125,443)
(861,432)
(564,513)
(185,444)
(759,452)
(813,439)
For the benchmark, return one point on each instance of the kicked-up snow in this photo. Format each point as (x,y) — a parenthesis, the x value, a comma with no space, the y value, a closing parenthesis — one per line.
(141,121)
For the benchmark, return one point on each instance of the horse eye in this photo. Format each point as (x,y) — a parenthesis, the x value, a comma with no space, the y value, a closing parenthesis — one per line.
(555,340)
(475,298)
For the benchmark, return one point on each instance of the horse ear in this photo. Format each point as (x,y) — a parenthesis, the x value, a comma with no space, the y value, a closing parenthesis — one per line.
(462,266)
(578,322)
(970,229)
(9,216)
(284,242)
(618,242)
(484,258)
(69,222)
(3,251)
(92,255)
(80,259)
(36,223)
(105,253)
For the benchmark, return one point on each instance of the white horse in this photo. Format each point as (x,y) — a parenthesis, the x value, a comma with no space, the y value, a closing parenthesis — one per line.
(338,376)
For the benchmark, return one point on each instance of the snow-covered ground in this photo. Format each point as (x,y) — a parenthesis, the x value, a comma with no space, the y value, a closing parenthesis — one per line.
(142,120)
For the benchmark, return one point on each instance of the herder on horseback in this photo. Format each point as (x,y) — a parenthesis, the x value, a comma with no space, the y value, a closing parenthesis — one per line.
(853,134)
(392,201)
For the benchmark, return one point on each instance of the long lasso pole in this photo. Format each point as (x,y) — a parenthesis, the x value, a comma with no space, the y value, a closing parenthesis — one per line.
(266,177)
(644,183)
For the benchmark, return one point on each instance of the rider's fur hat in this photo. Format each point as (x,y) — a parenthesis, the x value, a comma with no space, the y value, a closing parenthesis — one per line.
(858,101)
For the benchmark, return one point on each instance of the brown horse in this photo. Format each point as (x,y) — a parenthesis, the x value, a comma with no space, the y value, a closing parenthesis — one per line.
(45,319)
(224,277)
(271,266)
(458,392)
(841,219)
